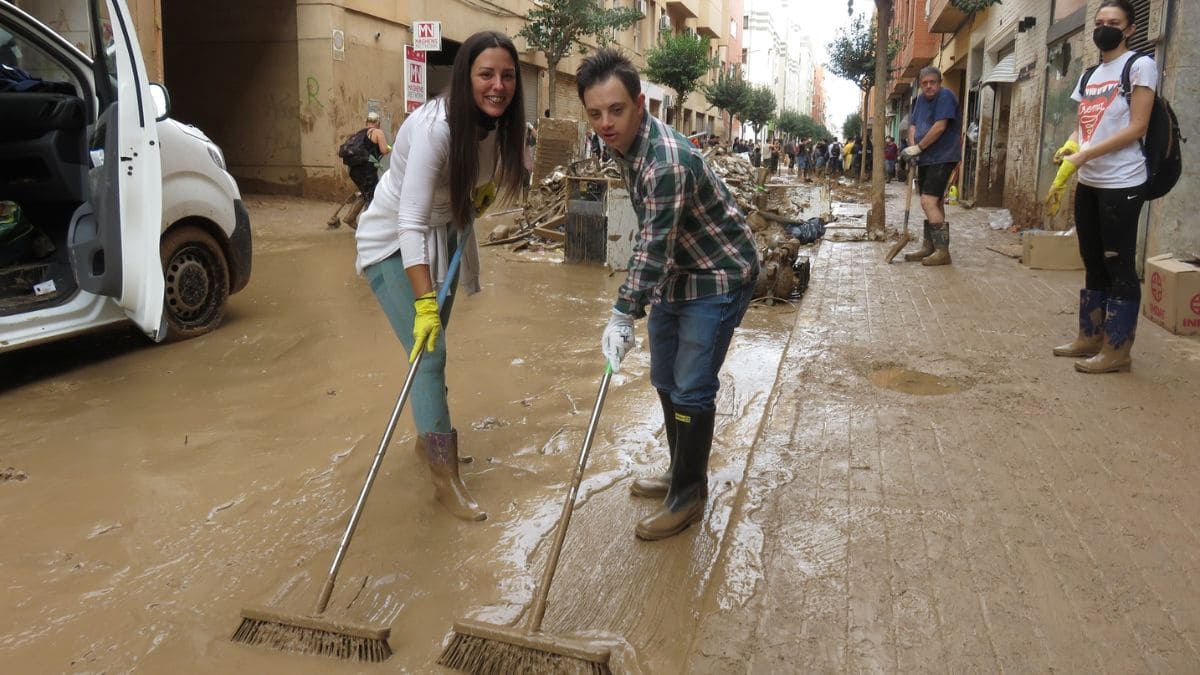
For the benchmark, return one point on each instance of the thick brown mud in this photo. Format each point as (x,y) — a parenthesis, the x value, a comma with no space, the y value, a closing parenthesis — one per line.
(151,492)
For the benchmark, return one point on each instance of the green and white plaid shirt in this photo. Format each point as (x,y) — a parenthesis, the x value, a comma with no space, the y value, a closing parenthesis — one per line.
(695,241)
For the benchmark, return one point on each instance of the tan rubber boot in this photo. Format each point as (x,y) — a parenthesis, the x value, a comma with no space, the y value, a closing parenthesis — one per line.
(351,217)
(1120,324)
(657,486)
(926,249)
(441,452)
(688,494)
(940,234)
(1091,326)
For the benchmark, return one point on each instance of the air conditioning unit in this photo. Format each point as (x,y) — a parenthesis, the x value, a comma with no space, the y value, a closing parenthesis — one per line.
(664,22)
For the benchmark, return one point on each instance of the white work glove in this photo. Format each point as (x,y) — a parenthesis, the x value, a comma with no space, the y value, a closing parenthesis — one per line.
(617,339)
(912,151)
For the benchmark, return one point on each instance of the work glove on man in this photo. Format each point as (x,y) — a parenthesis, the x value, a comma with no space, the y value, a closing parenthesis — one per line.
(617,339)
(427,324)
(911,152)
(1059,187)
(483,198)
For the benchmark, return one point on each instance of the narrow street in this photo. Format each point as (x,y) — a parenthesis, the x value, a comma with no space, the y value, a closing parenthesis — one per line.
(904,478)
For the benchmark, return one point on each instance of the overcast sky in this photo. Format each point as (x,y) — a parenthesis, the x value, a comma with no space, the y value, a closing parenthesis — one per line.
(822,19)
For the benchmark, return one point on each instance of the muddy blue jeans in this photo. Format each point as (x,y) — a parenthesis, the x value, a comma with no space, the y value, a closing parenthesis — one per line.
(427,400)
(688,342)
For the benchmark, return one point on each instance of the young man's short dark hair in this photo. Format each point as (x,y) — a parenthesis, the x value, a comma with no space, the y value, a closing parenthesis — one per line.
(604,64)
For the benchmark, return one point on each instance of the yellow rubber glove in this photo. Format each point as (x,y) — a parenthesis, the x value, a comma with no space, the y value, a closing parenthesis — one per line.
(1068,148)
(427,324)
(1054,198)
(483,197)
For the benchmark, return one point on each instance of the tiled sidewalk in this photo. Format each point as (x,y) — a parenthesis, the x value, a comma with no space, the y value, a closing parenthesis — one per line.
(1035,519)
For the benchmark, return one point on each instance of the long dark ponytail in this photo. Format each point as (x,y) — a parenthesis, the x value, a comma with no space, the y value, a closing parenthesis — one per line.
(464,118)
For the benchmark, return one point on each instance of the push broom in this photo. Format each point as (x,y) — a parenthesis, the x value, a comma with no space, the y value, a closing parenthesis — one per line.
(315,633)
(483,648)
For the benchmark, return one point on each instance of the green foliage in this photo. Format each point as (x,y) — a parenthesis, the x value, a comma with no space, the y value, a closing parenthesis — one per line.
(969,6)
(556,27)
(678,62)
(801,126)
(852,52)
(761,108)
(852,126)
(730,94)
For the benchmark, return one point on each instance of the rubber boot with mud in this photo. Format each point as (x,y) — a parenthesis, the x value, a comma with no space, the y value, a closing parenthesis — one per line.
(1091,326)
(926,249)
(688,494)
(351,218)
(441,452)
(657,486)
(1120,324)
(939,233)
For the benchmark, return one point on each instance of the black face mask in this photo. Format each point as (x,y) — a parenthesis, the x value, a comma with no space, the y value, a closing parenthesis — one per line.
(1108,38)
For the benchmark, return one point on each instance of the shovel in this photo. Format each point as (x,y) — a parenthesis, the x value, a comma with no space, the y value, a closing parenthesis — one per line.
(903,240)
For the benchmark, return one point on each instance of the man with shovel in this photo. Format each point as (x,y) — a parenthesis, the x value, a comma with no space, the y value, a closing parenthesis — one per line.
(934,146)
(694,260)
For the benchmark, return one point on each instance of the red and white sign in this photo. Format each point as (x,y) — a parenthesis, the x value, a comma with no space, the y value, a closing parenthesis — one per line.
(415,74)
(427,36)
(1195,304)
(1156,290)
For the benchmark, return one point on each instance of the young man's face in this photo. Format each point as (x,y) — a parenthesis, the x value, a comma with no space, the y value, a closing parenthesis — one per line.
(613,114)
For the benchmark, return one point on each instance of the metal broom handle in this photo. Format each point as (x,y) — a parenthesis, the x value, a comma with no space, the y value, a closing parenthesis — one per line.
(543,592)
(327,590)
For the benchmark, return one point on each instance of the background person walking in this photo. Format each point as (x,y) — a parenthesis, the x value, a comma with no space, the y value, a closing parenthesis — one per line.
(934,145)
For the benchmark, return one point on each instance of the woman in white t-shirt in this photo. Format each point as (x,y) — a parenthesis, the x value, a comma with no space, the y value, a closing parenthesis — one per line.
(448,158)
(1106,150)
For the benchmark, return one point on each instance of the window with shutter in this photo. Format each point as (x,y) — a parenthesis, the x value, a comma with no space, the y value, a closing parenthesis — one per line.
(1139,41)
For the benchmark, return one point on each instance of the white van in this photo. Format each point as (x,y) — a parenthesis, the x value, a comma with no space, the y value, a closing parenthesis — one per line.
(109,210)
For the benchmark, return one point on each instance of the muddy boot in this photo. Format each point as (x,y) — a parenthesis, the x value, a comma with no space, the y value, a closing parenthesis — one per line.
(1091,326)
(657,486)
(351,218)
(940,234)
(688,493)
(926,249)
(1120,323)
(441,452)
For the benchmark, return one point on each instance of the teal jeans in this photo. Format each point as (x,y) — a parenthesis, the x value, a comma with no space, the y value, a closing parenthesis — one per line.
(427,400)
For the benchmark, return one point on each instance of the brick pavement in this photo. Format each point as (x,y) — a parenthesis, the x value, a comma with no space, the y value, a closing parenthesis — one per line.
(1036,519)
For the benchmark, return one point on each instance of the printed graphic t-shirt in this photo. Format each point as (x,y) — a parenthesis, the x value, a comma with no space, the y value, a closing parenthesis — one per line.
(1102,113)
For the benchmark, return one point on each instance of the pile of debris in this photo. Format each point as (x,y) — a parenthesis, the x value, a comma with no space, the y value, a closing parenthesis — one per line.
(738,174)
(545,210)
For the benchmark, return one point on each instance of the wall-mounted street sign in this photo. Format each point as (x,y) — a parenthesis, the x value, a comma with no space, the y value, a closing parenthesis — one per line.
(414,78)
(427,36)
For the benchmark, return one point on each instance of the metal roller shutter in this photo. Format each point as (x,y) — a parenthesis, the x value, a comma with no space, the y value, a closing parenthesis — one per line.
(530,81)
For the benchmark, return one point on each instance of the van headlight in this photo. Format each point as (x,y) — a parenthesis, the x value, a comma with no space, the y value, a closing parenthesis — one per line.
(217,158)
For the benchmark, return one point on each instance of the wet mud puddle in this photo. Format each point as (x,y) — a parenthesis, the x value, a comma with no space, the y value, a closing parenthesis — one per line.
(912,382)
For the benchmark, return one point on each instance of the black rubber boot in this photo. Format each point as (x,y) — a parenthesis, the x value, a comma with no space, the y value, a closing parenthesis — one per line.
(940,234)
(1091,326)
(926,249)
(657,486)
(688,493)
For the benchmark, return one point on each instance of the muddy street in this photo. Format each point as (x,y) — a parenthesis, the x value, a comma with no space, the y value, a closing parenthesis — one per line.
(163,488)
(904,479)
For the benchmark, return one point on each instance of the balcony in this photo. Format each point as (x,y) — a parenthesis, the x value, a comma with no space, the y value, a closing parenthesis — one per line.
(918,51)
(708,24)
(945,17)
(683,9)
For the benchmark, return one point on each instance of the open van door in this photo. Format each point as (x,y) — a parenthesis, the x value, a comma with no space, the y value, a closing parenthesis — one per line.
(114,238)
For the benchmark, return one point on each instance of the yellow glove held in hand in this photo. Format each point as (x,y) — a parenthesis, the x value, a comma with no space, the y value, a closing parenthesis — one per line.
(1068,148)
(427,324)
(483,197)
(1054,198)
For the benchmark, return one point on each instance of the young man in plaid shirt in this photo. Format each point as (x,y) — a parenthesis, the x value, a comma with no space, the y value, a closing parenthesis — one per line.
(694,260)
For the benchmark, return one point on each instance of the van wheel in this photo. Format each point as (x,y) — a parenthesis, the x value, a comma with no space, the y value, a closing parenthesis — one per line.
(196,277)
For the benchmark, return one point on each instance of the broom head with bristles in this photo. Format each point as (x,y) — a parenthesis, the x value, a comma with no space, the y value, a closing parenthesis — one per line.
(313,635)
(486,649)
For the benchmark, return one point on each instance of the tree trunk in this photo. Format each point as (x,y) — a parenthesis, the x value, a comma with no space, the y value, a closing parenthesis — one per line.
(551,78)
(877,224)
(862,139)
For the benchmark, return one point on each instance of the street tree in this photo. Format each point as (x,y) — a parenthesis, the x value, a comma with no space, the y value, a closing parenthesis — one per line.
(556,27)
(852,126)
(883,15)
(801,125)
(761,108)
(729,94)
(678,62)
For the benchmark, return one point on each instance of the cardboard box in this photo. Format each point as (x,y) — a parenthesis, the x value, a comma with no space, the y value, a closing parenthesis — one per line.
(1042,250)
(1171,298)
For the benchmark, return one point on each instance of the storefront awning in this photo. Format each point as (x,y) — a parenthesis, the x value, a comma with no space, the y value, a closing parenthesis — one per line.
(1004,72)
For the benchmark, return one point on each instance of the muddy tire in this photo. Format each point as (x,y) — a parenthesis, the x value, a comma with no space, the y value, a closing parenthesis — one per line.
(196,280)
